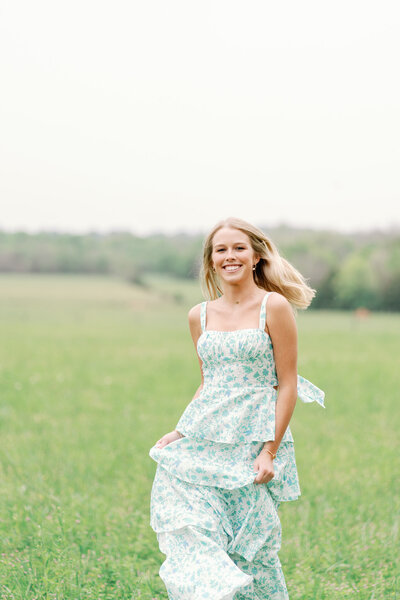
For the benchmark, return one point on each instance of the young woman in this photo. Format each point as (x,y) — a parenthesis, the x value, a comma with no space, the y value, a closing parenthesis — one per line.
(230,462)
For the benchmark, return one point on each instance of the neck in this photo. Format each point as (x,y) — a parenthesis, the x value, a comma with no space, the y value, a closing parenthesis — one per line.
(237,295)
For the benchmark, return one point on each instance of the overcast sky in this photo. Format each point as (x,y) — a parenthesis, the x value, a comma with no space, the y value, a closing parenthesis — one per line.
(169,115)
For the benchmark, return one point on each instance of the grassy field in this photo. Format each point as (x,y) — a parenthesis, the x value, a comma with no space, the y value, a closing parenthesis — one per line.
(93,371)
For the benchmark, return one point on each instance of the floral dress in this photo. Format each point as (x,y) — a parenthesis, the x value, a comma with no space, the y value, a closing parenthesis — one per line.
(219,530)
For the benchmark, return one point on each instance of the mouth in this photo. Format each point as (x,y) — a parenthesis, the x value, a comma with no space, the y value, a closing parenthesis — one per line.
(231,268)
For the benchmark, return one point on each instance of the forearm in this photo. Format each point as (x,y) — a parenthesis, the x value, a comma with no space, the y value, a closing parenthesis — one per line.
(285,405)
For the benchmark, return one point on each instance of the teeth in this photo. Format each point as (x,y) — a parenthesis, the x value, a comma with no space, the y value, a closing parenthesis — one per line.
(232,268)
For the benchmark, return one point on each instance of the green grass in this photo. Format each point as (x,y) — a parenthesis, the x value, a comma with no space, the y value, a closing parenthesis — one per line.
(94,371)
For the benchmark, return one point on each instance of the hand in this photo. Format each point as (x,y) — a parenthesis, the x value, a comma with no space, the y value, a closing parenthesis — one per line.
(265,467)
(167,439)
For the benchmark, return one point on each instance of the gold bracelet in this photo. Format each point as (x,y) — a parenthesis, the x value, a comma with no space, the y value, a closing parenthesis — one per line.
(271,453)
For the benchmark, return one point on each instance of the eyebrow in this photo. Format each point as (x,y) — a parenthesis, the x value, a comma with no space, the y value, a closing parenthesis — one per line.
(235,243)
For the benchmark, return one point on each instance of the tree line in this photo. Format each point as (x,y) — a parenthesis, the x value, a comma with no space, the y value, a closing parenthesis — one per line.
(347,270)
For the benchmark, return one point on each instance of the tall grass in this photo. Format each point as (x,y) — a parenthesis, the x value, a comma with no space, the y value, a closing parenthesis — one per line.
(94,371)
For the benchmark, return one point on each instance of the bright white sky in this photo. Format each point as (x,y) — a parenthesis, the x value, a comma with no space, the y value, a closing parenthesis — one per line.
(167,115)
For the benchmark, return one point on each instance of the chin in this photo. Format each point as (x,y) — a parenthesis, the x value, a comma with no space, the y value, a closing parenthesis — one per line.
(233,276)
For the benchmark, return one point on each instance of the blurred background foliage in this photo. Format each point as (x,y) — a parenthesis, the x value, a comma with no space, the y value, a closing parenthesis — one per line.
(347,270)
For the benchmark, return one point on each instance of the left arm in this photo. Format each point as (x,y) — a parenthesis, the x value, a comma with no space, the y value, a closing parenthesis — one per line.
(283,333)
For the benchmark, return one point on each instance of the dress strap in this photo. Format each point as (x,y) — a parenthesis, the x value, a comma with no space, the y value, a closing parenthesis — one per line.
(263,311)
(203,314)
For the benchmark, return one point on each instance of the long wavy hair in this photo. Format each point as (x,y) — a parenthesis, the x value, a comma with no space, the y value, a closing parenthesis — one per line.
(273,273)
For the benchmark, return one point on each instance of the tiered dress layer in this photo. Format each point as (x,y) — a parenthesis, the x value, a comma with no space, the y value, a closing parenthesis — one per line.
(221,531)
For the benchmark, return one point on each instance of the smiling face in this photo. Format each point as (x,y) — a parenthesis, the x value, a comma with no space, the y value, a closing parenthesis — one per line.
(232,255)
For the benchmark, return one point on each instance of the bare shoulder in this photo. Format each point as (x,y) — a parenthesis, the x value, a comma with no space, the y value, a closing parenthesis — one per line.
(195,322)
(194,314)
(277,302)
(194,318)
(279,310)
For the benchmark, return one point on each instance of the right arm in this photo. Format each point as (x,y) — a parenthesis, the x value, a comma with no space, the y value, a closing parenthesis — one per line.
(195,332)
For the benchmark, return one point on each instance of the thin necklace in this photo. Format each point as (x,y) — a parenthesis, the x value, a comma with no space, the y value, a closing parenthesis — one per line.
(237,301)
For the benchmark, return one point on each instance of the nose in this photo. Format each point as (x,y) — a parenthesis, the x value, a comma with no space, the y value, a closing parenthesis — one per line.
(231,253)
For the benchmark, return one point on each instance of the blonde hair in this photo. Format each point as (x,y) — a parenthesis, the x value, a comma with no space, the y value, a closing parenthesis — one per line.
(273,273)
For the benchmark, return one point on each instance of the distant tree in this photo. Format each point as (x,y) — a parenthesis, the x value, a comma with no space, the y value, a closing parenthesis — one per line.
(348,271)
(391,294)
(355,284)
(326,291)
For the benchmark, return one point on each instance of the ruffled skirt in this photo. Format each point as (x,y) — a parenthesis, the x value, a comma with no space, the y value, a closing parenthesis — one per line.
(219,530)
(205,462)
(219,543)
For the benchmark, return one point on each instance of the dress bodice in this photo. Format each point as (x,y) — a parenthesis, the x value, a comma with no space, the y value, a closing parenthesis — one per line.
(237,400)
(234,358)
